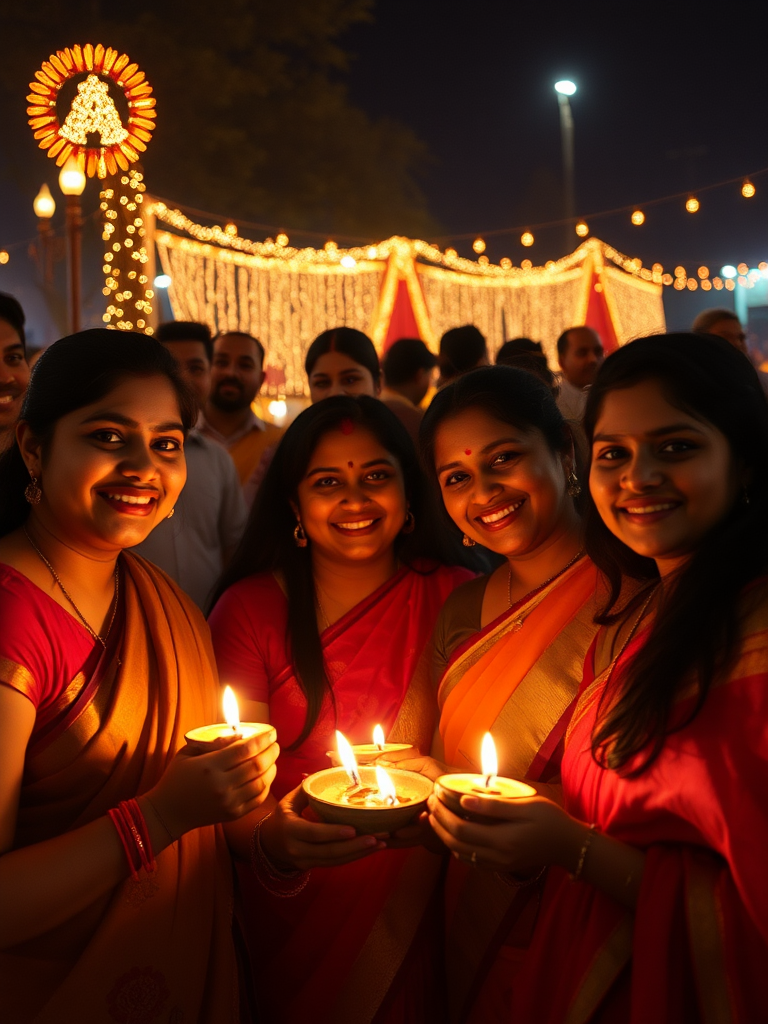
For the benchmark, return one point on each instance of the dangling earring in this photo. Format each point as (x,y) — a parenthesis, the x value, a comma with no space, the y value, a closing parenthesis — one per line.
(574,487)
(32,492)
(410,523)
(468,542)
(170,514)
(299,536)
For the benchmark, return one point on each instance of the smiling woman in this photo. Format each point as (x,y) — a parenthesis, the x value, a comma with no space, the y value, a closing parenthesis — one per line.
(104,664)
(509,646)
(324,622)
(657,854)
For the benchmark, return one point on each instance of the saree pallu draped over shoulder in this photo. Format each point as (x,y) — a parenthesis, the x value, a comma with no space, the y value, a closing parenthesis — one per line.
(361,941)
(156,949)
(696,948)
(518,679)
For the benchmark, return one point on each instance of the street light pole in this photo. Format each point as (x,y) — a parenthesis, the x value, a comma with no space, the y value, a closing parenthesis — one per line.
(565,89)
(45,207)
(72,184)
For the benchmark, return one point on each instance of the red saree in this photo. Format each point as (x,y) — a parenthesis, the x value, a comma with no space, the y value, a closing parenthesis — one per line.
(154,950)
(351,946)
(517,677)
(696,948)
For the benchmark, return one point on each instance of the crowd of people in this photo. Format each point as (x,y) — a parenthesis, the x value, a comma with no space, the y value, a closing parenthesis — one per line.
(575,562)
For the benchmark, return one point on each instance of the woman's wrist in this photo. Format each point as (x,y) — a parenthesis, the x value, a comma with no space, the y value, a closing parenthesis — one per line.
(269,842)
(571,852)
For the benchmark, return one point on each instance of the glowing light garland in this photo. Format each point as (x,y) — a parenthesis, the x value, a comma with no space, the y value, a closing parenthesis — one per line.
(127,286)
(93,110)
(287,295)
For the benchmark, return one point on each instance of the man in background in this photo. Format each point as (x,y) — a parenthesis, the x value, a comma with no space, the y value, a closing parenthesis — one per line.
(409,370)
(724,323)
(580,353)
(236,378)
(14,369)
(209,518)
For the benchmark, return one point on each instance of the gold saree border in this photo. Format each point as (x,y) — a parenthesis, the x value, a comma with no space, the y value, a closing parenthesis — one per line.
(705,931)
(548,687)
(605,968)
(523,726)
(17,677)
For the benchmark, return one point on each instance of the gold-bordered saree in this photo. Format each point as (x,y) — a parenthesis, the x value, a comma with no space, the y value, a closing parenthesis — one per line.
(156,950)
(516,678)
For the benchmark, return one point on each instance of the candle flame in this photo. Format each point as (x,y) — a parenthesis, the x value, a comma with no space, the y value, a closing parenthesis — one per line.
(488,759)
(378,736)
(231,710)
(347,757)
(385,786)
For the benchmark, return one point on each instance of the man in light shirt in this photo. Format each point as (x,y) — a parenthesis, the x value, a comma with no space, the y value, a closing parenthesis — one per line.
(580,353)
(194,546)
(236,377)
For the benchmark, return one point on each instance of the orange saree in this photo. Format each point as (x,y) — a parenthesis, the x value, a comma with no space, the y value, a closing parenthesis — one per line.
(517,678)
(158,949)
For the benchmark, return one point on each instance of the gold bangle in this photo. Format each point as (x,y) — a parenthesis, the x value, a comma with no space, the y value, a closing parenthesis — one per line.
(583,852)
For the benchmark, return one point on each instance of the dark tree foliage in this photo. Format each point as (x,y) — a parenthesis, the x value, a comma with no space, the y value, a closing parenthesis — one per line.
(254,120)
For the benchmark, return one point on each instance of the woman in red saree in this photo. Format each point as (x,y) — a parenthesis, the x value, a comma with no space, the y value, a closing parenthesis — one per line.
(104,665)
(663,917)
(328,628)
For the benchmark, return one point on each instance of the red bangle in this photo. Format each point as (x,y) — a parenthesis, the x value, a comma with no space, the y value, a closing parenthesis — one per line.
(134,836)
(124,835)
(139,833)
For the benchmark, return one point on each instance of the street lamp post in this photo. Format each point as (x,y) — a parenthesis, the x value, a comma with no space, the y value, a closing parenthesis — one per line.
(44,206)
(565,89)
(72,184)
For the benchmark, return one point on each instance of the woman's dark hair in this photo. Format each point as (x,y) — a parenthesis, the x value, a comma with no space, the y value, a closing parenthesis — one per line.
(73,373)
(508,394)
(349,342)
(524,354)
(461,349)
(268,544)
(696,629)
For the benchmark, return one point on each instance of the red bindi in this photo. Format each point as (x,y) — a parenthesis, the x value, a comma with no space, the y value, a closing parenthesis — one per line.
(346,426)
(467,451)
(351,465)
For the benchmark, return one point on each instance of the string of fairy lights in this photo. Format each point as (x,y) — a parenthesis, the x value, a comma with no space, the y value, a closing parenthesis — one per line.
(279,248)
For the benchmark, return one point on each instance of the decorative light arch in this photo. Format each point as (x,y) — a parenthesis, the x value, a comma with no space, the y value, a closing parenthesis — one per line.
(93,110)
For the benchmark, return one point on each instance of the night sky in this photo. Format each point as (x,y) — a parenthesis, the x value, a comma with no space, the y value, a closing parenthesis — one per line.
(671,98)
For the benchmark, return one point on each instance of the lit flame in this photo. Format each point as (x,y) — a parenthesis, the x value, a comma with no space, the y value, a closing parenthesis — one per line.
(231,710)
(488,759)
(378,736)
(347,757)
(385,786)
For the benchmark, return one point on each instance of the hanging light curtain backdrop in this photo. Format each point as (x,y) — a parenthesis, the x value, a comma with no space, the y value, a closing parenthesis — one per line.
(286,296)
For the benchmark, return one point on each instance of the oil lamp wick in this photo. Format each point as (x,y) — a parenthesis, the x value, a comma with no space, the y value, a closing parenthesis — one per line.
(488,781)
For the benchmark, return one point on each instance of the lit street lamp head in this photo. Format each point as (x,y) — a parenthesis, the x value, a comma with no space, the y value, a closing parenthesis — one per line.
(44,204)
(565,88)
(72,178)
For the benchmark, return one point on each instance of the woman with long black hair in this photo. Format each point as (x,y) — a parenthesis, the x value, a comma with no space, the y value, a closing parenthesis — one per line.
(664,829)
(324,622)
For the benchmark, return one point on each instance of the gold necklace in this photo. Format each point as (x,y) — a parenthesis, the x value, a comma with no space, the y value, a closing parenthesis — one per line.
(518,624)
(631,633)
(91,630)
